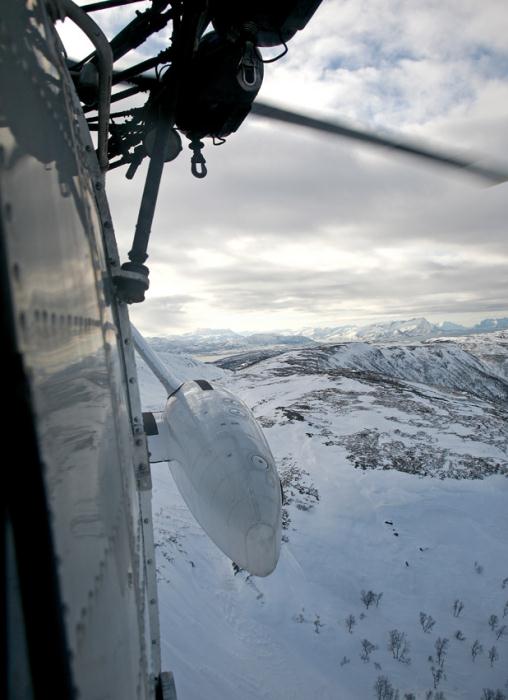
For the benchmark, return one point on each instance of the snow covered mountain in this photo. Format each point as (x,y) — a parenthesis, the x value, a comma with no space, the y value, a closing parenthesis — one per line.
(394,462)
(411,330)
(492,350)
(415,328)
(202,340)
(209,341)
(490,324)
(443,364)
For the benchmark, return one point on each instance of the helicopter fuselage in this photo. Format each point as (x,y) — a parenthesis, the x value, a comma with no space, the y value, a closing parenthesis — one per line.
(77,520)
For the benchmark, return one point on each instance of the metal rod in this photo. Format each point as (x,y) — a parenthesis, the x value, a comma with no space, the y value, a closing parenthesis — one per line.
(105,68)
(126,93)
(134,71)
(113,115)
(168,380)
(136,32)
(142,26)
(138,252)
(191,26)
(118,96)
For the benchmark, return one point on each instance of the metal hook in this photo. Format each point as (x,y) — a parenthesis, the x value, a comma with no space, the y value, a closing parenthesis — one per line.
(198,162)
(198,169)
(248,74)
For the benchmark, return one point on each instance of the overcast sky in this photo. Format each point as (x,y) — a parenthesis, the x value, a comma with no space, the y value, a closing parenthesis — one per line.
(291,229)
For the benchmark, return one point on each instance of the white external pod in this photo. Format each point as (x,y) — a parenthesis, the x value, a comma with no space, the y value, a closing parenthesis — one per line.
(222,466)
(225,471)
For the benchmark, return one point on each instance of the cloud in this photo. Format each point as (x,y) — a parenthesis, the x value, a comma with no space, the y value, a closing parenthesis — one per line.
(160,314)
(292,228)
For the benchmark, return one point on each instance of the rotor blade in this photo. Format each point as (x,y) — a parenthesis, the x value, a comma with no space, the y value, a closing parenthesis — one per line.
(261,109)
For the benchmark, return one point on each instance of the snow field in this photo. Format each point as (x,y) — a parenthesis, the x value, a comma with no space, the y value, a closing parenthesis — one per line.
(422,542)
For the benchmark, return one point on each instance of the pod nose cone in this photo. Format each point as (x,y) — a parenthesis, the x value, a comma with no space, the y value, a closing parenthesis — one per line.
(262,548)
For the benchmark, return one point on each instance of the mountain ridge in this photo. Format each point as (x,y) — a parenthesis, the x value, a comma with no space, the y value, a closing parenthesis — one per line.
(209,340)
(417,328)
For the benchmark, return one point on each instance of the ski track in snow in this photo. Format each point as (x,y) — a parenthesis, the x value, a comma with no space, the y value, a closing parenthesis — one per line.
(422,541)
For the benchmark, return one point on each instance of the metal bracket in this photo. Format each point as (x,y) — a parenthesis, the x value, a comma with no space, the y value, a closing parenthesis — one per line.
(159,441)
(131,282)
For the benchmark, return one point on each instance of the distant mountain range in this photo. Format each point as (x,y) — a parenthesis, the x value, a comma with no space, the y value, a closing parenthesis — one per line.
(211,340)
(412,329)
(208,340)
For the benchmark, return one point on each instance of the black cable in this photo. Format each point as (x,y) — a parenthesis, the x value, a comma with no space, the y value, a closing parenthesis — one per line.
(276,58)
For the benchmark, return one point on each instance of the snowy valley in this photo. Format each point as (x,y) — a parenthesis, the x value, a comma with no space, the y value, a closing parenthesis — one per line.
(393,574)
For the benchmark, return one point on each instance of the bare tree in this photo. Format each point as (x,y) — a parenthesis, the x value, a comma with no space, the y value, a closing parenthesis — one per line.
(317,624)
(367,649)
(489,694)
(300,617)
(427,622)
(458,635)
(441,646)
(505,609)
(438,675)
(399,646)
(350,623)
(395,642)
(476,649)
(384,689)
(493,620)
(493,656)
(501,632)
(368,598)
(505,582)
(458,607)
(378,599)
